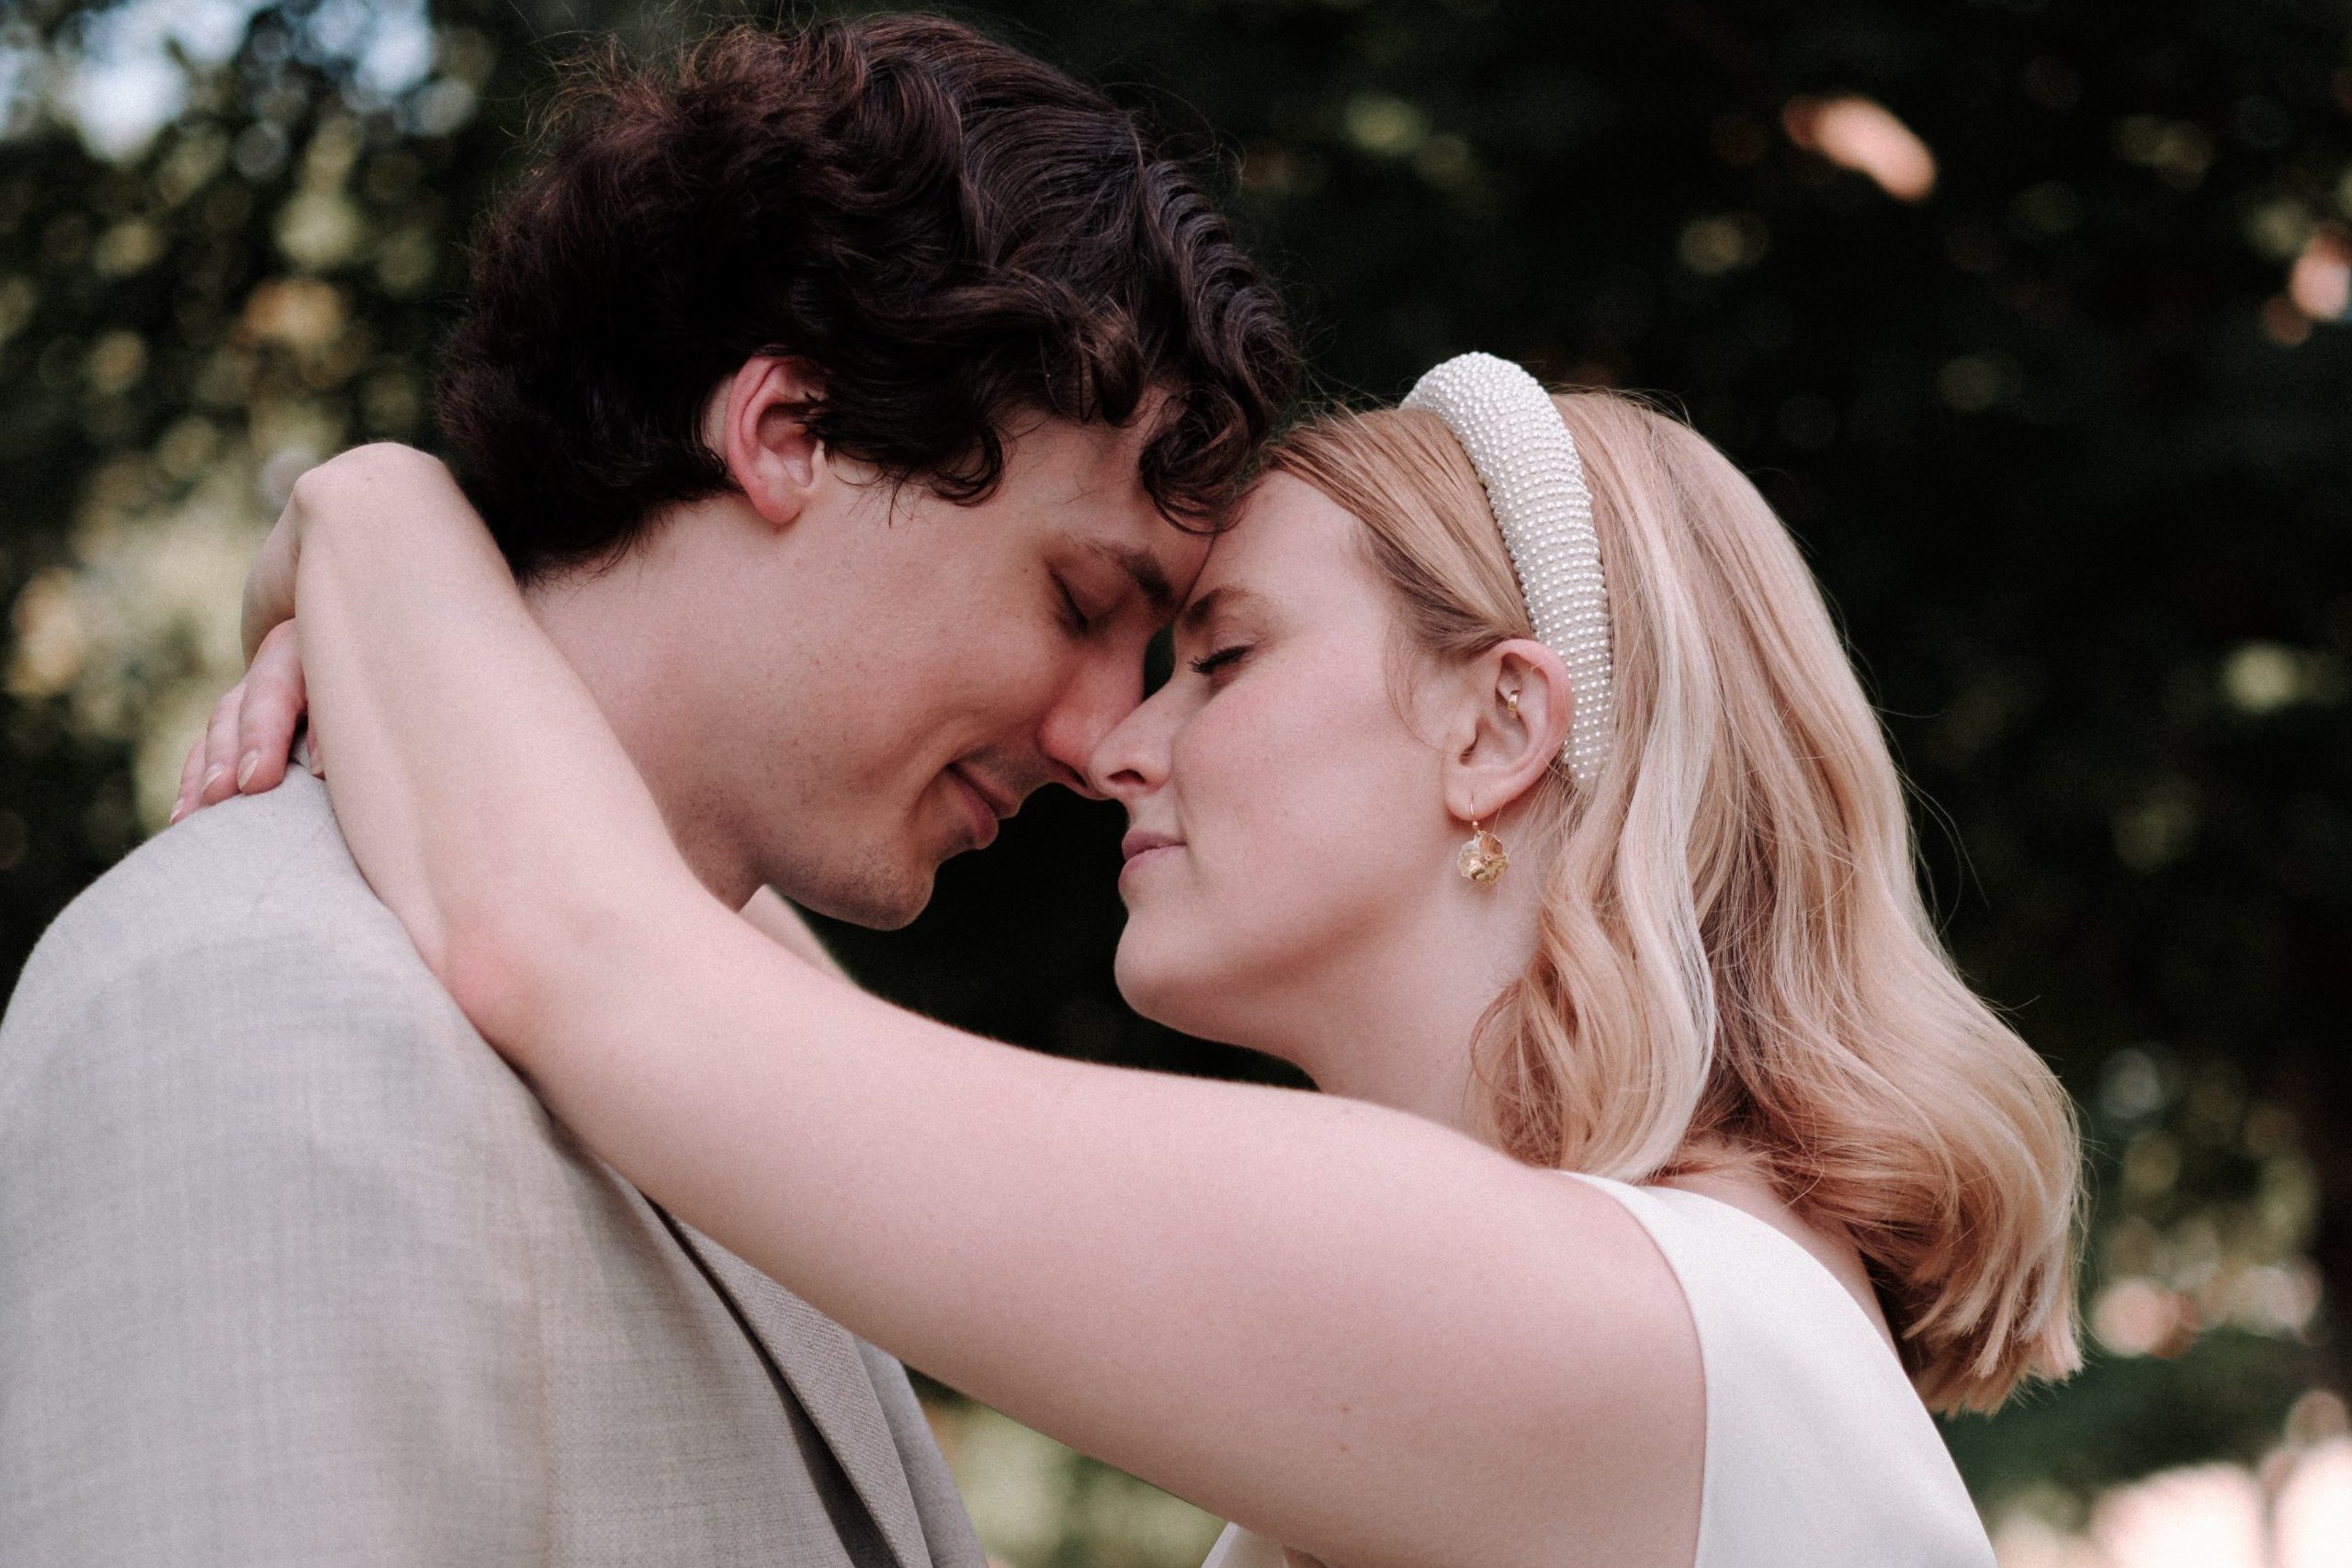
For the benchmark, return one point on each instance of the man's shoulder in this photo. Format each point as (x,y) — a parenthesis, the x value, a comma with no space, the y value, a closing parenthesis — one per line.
(240,946)
(263,874)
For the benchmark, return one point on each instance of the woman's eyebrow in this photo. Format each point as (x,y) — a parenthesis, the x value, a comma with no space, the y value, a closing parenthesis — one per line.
(1202,610)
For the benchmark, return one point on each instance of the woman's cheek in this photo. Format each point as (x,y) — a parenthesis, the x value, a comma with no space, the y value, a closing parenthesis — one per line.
(1236,773)
(1279,760)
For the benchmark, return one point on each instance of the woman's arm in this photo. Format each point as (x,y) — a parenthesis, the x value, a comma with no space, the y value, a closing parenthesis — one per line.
(384,531)
(1344,1326)
(249,737)
(769,913)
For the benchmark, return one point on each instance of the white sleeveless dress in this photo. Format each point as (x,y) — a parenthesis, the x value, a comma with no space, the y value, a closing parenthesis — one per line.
(1818,1452)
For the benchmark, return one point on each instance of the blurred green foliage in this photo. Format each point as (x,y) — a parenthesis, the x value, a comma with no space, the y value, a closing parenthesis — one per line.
(2064,437)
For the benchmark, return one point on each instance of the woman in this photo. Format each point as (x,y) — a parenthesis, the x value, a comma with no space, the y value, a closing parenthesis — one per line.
(1663,1177)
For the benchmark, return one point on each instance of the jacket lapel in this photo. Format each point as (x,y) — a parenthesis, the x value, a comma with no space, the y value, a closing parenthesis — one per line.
(819,1359)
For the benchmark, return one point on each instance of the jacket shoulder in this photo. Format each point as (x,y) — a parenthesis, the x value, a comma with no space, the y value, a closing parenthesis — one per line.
(243,953)
(268,874)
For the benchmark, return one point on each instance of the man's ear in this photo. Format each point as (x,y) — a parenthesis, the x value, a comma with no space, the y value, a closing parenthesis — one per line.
(754,423)
(1514,705)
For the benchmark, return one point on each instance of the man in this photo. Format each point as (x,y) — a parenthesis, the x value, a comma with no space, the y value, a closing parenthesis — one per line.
(852,403)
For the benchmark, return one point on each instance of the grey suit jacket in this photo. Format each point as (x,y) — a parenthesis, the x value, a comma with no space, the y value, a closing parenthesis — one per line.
(293,1269)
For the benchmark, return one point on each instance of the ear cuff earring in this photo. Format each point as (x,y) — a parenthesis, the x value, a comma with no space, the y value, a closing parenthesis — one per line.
(1482,859)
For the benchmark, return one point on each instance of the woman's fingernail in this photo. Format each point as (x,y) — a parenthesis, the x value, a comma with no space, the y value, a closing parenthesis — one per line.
(246,769)
(212,775)
(179,810)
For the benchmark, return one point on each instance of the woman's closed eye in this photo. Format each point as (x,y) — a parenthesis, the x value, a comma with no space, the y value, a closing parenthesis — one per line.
(1222,658)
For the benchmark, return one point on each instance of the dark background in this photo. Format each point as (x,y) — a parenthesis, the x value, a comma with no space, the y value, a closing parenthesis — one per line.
(2066,440)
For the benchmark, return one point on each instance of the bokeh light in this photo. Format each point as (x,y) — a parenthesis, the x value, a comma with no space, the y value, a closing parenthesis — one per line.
(1857,133)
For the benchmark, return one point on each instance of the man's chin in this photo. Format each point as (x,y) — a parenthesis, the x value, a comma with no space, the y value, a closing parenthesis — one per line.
(882,899)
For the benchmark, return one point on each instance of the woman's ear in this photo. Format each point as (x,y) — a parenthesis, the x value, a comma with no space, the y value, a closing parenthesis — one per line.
(1515,707)
(756,425)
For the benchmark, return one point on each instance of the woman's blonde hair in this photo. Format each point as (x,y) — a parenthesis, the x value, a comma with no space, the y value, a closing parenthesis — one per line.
(1733,960)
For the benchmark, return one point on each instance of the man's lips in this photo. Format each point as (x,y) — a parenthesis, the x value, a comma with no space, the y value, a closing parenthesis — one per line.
(987,806)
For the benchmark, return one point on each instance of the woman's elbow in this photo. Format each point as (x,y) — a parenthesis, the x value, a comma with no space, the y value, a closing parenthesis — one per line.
(507,973)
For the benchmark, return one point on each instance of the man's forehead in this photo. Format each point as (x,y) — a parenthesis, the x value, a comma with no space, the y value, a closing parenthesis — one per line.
(1085,459)
(1089,478)
(1161,561)
(1152,577)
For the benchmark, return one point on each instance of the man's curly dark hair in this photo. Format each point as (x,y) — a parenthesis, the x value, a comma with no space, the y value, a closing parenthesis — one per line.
(952,233)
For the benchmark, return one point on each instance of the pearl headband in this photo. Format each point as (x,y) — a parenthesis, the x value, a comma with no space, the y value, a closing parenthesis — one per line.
(1534,482)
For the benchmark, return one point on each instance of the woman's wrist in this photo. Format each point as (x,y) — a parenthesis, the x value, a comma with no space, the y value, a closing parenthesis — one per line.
(364,488)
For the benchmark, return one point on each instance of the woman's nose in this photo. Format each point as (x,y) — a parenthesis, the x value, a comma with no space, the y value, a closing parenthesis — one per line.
(1132,760)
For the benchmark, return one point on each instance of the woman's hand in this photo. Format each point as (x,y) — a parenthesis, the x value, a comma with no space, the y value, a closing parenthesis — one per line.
(246,746)
(249,739)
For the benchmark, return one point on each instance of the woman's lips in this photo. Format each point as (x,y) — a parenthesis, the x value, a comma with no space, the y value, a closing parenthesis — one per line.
(1142,847)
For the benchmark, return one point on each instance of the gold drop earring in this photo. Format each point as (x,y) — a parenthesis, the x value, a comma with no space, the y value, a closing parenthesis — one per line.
(1482,859)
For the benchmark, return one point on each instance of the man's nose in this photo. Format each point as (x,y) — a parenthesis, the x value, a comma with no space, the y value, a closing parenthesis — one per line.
(1092,706)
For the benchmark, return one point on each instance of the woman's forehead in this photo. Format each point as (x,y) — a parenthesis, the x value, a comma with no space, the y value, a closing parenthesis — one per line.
(1287,538)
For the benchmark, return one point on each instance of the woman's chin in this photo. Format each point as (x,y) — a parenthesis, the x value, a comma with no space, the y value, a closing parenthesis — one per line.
(1159,986)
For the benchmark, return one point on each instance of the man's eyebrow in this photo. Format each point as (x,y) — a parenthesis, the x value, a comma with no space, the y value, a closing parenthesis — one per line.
(1151,578)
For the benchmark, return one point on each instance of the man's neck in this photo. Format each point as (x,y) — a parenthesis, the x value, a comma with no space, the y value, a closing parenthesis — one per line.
(617,639)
